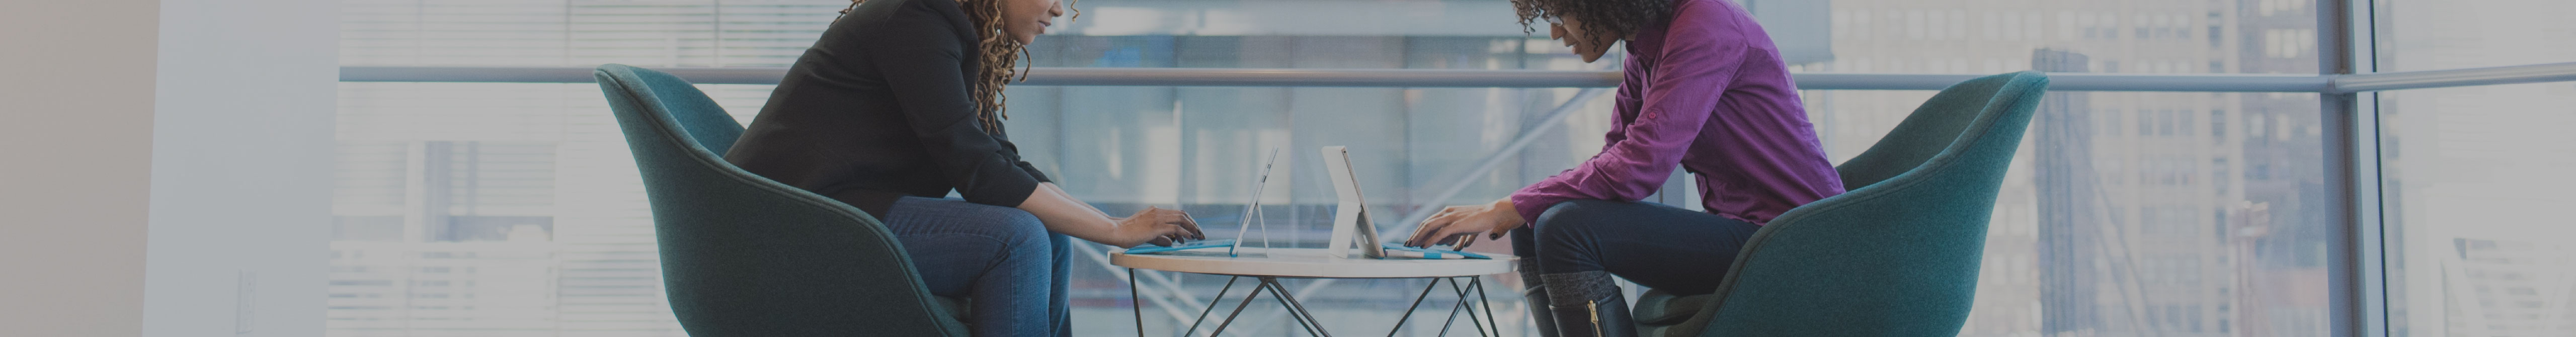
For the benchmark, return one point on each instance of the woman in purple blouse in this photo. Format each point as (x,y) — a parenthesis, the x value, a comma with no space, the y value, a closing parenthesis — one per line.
(1705,90)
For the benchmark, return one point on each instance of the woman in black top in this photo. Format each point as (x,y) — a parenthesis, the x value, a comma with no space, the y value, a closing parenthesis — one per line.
(899,103)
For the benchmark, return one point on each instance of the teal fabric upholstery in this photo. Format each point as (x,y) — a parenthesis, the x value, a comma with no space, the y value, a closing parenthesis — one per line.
(746,256)
(1896,256)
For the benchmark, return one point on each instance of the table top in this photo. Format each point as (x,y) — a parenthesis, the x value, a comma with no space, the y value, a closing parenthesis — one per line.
(1308,262)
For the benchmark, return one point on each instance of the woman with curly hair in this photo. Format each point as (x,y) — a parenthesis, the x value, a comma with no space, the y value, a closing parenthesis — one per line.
(1705,90)
(899,103)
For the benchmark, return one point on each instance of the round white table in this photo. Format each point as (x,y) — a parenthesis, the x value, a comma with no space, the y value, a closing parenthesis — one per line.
(1267,265)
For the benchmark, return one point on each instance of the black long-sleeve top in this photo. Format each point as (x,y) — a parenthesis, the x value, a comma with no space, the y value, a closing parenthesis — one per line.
(880,109)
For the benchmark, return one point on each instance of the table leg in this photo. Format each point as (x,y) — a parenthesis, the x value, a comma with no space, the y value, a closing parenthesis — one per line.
(1453,312)
(1220,297)
(1408,310)
(1454,288)
(1134,302)
(1238,310)
(1479,285)
(1313,326)
(1296,309)
(1472,283)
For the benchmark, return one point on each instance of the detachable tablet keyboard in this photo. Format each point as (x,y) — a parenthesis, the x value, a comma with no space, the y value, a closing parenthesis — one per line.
(1400,251)
(1150,249)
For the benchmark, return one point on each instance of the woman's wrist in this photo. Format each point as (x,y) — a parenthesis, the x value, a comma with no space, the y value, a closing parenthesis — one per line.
(1508,215)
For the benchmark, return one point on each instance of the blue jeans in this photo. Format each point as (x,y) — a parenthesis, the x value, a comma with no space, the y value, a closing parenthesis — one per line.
(1654,245)
(1000,258)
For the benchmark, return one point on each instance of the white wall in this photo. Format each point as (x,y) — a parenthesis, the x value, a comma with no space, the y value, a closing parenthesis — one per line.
(76,85)
(241,167)
(155,152)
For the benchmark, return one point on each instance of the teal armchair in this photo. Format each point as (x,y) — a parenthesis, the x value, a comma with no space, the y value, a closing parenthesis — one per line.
(746,256)
(1898,254)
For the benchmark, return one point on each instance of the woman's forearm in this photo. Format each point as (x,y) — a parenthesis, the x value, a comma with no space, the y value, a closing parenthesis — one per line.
(1060,193)
(1062,214)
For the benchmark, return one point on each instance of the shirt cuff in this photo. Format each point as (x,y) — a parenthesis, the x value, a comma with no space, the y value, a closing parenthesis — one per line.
(1011,189)
(1033,172)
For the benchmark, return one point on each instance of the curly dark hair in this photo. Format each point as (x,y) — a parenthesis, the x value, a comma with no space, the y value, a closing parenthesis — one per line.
(1000,54)
(1621,16)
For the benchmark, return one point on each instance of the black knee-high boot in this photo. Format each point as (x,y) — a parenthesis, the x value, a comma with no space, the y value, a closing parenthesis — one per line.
(1588,304)
(1534,291)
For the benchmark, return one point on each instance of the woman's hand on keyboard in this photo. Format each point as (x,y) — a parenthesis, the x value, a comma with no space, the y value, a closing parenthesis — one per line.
(1158,226)
(1460,225)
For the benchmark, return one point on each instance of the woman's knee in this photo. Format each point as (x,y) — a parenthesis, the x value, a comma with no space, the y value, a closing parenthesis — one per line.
(1015,232)
(1023,231)
(1570,217)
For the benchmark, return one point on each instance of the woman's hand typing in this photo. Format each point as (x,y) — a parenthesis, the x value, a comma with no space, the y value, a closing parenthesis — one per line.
(1459,225)
(1158,226)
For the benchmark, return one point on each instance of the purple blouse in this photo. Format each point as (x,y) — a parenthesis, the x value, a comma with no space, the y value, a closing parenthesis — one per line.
(1709,92)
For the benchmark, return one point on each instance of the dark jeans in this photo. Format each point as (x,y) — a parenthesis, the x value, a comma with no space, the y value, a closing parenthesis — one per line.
(1000,258)
(1656,246)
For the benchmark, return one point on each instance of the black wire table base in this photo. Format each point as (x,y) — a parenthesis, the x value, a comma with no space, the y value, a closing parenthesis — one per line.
(1471,285)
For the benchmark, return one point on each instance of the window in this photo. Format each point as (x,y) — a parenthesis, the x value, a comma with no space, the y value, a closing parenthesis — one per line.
(523,197)
(2472,247)
(2468,207)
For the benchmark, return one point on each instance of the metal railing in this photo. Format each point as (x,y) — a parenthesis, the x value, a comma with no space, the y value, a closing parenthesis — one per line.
(1448,78)
(2536,73)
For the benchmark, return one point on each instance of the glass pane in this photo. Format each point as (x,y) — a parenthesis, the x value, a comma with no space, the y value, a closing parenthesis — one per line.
(1861,36)
(2182,213)
(2452,34)
(651,33)
(2155,214)
(2466,170)
(512,209)
(1986,36)
(493,209)
(2475,177)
